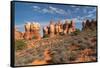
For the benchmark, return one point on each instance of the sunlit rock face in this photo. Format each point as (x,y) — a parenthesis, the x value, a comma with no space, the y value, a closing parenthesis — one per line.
(60,26)
(35,30)
(32,31)
(18,35)
(27,35)
(56,29)
(65,27)
(71,27)
(89,24)
(51,29)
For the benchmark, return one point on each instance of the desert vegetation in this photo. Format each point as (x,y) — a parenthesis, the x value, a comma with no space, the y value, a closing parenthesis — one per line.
(72,47)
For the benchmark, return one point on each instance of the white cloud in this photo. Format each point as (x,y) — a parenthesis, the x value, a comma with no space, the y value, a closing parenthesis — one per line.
(44,10)
(19,26)
(50,9)
(36,7)
(92,11)
(90,15)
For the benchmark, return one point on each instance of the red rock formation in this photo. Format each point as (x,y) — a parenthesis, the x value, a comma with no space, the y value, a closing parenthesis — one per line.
(35,31)
(32,31)
(45,31)
(52,29)
(89,24)
(27,33)
(71,27)
(65,27)
(56,29)
(18,35)
(60,26)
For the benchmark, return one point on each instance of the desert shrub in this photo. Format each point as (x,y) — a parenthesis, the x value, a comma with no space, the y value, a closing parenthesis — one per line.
(71,55)
(34,37)
(45,36)
(76,32)
(61,33)
(20,44)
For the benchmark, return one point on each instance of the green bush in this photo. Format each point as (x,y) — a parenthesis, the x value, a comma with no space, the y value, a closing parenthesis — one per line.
(20,45)
(71,56)
(45,36)
(76,32)
(33,37)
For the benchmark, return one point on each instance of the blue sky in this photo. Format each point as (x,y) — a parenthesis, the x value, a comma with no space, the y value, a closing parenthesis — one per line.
(43,13)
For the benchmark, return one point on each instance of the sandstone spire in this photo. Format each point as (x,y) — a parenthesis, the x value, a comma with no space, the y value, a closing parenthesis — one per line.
(51,29)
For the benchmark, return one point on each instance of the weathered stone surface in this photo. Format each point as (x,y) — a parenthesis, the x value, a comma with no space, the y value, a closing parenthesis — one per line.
(35,31)
(56,29)
(60,26)
(27,36)
(27,27)
(52,28)
(73,25)
(32,31)
(18,34)
(45,31)
(65,27)
(89,24)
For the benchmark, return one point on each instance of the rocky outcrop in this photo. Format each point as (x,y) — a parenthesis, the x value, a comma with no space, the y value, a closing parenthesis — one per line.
(51,29)
(27,33)
(69,27)
(89,24)
(59,28)
(32,31)
(35,31)
(18,34)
